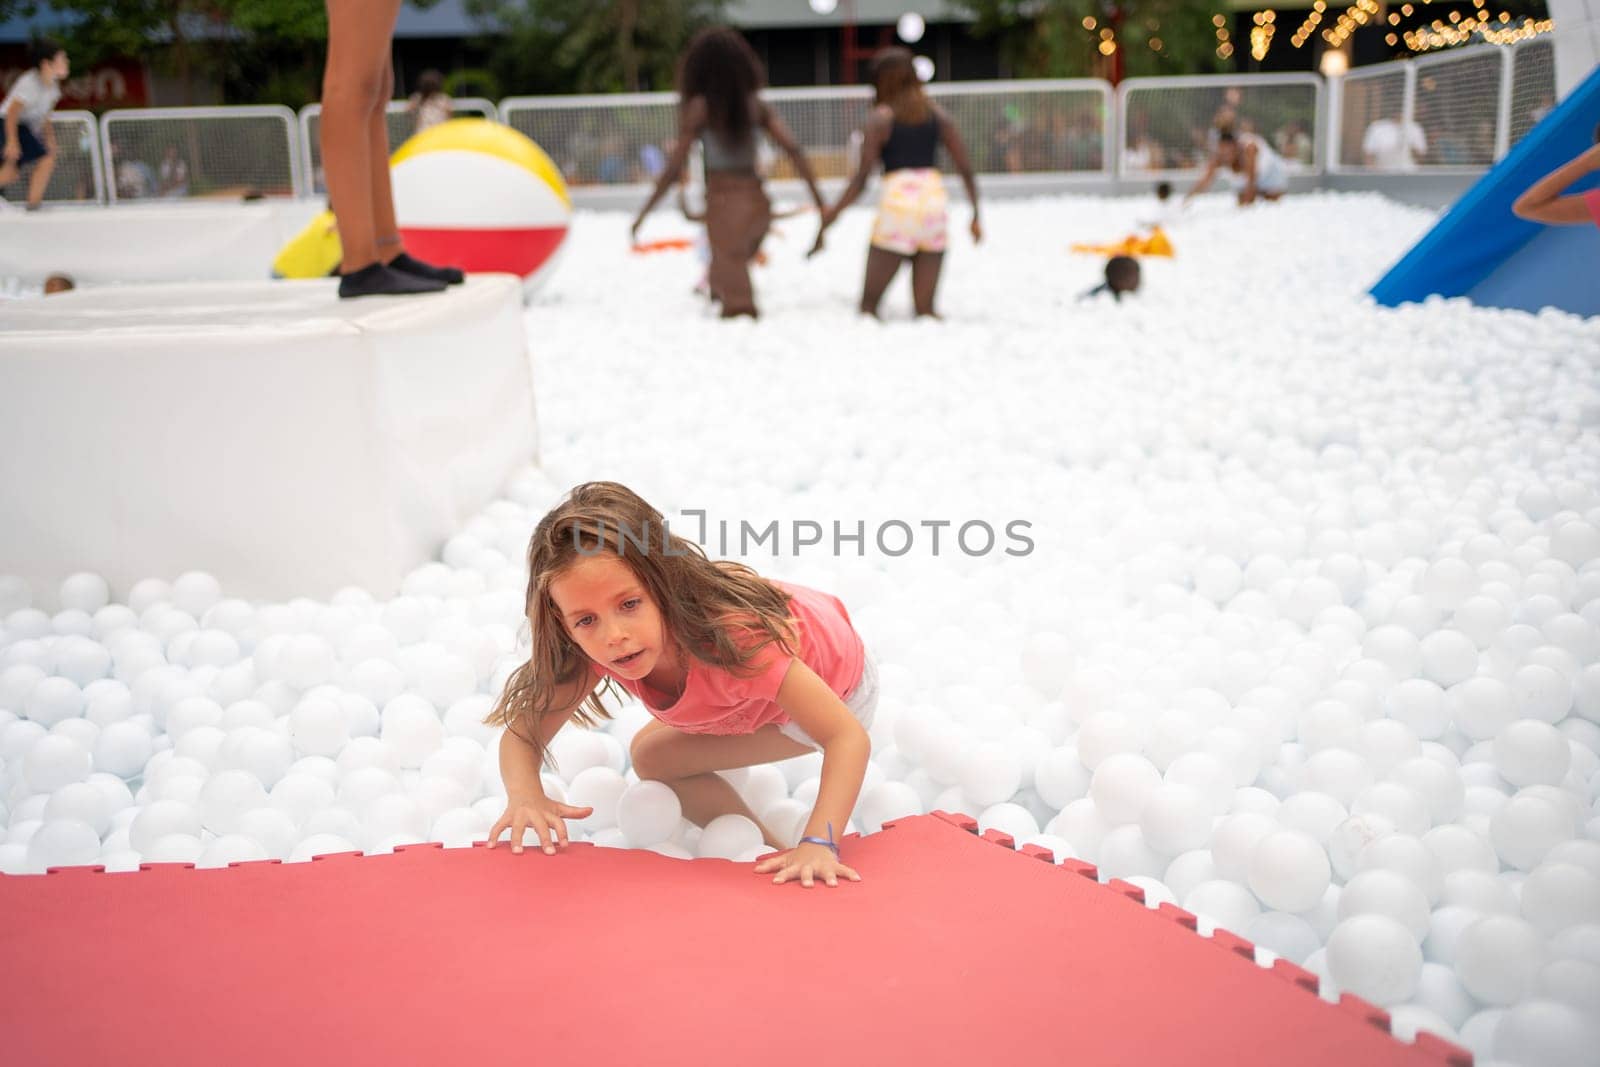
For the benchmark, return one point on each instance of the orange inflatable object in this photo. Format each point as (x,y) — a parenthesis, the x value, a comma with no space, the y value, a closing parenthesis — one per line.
(1156,244)
(668,244)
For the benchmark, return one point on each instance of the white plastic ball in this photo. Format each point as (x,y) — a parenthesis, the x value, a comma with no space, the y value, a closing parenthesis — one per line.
(648,813)
(1526,827)
(1120,787)
(63,842)
(1559,895)
(1175,819)
(1384,892)
(991,774)
(1448,657)
(1483,706)
(1234,841)
(1499,957)
(54,761)
(160,819)
(884,803)
(600,788)
(1375,957)
(81,801)
(1060,777)
(1288,936)
(1289,871)
(1547,1033)
(1047,663)
(412,728)
(1225,903)
(728,836)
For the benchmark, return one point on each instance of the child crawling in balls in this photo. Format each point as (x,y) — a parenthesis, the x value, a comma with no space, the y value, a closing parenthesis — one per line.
(736,669)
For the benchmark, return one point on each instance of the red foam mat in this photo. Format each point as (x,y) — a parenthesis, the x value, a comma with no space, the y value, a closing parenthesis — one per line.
(952,950)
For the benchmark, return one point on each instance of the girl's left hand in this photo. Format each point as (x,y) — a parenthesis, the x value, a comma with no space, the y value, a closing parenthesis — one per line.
(807,862)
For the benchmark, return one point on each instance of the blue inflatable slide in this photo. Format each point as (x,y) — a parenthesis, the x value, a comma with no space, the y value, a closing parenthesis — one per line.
(1480,250)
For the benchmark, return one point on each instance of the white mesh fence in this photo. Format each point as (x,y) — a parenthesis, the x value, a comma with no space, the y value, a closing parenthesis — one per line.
(188,152)
(617,139)
(401,121)
(824,123)
(1032,127)
(77,175)
(1168,126)
(1374,128)
(1009,127)
(1533,85)
(1459,109)
(1457,105)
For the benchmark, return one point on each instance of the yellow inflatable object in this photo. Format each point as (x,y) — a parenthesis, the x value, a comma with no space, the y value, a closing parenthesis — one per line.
(1156,244)
(469,193)
(312,253)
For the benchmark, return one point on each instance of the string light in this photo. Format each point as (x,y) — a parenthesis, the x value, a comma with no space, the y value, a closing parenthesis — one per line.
(1224,46)
(1303,34)
(1443,35)
(1355,16)
(1261,35)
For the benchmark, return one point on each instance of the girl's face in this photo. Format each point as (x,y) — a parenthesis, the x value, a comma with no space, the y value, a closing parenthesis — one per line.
(610,614)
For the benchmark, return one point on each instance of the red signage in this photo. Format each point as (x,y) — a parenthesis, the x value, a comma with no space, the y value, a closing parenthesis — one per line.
(112,83)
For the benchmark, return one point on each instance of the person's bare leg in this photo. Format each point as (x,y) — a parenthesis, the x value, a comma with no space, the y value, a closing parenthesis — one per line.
(359,33)
(687,763)
(39,180)
(925,269)
(8,172)
(386,231)
(882,265)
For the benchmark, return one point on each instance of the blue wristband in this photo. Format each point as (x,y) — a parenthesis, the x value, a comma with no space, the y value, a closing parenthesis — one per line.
(829,843)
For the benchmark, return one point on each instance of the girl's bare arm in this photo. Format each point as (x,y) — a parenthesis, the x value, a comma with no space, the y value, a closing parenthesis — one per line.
(691,120)
(1544,202)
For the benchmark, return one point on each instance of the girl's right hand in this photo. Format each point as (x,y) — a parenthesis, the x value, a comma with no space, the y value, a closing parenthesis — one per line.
(540,814)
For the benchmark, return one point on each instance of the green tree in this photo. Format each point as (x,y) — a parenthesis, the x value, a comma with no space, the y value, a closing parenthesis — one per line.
(1062,38)
(200,42)
(556,46)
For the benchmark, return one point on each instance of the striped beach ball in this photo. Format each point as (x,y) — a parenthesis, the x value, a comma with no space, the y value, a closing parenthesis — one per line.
(480,196)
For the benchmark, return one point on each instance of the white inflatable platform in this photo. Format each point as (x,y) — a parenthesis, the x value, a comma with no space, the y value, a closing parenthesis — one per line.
(286,441)
(156,241)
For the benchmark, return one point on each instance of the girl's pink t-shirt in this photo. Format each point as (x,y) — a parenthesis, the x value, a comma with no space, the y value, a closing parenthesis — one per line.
(714,701)
(1592,198)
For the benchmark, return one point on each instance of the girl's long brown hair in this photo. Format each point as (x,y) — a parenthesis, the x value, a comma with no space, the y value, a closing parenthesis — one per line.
(895,83)
(718,612)
(720,66)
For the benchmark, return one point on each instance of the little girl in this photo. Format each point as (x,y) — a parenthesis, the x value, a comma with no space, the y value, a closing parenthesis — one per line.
(720,108)
(905,132)
(737,670)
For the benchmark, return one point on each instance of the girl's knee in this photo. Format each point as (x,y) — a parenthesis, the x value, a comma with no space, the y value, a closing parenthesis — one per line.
(645,753)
